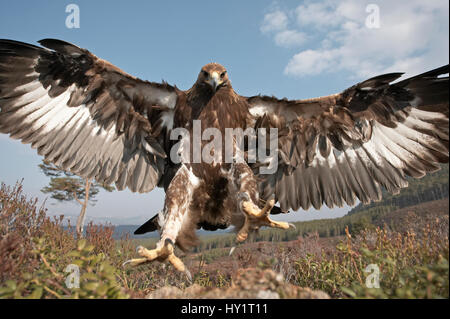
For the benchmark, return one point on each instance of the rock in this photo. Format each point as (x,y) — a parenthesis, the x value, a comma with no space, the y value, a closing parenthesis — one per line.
(250,283)
(168,292)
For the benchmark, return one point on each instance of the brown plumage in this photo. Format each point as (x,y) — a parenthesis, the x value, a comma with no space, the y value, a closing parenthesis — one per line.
(89,117)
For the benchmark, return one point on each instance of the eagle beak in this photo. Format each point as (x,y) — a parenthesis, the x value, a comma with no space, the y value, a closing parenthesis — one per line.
(214,80)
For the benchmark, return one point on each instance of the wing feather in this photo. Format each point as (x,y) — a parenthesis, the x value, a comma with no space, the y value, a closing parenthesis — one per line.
(84,114)
(354,144)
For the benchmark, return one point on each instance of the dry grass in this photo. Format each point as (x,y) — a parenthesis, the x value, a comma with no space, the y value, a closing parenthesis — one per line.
(35,251)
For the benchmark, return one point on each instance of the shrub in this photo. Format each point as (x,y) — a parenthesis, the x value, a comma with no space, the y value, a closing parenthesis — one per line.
(35,250)
(97,278)
(410,266)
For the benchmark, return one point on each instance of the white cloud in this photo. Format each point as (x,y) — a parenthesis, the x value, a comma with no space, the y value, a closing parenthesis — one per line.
(274,21)
(413,37)
(288,38)
(317,14)
(311,62)
(275,24)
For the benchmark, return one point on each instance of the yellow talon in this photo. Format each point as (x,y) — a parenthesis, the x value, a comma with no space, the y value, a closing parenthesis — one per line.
(256,217)
(162,253)
(243,233)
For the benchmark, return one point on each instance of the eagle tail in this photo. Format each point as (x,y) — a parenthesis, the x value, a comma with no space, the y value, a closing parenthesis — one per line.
(149,226)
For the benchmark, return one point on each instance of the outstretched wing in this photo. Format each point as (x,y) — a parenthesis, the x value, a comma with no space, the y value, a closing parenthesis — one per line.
(84,114)
(335,149)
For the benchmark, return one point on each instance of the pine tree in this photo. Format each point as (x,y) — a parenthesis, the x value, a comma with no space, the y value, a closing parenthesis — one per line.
(66,187)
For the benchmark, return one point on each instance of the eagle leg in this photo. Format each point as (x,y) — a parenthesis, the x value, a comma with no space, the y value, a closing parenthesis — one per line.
(256,218)
(162,253)
(171,221)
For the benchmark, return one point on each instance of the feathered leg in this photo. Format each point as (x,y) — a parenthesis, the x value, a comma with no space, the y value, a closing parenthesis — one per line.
(170,220)
(248,196)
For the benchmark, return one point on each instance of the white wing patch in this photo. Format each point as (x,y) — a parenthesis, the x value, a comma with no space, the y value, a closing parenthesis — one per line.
(161,97)
(259,110)
(167,119)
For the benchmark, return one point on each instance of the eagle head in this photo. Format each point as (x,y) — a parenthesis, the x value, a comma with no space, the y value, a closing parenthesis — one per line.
(213,75)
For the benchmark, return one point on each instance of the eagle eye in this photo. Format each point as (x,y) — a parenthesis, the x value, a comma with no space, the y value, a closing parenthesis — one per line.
(223,74)
(205,73)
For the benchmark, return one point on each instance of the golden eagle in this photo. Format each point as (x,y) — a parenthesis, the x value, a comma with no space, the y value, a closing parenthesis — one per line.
(91,118)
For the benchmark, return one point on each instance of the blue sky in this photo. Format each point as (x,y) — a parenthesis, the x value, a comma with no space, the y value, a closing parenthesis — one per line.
(292,49)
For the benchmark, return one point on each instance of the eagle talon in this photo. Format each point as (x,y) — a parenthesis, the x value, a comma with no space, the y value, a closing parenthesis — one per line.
(162,254)
(135,262)
(243,233)
(256,218)
(252,210)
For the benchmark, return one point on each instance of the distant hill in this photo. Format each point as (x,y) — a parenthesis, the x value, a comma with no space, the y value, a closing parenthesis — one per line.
(121,230)
(431,187)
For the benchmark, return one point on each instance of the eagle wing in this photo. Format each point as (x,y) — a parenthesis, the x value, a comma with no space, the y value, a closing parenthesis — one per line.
(334,149)
(84,114)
